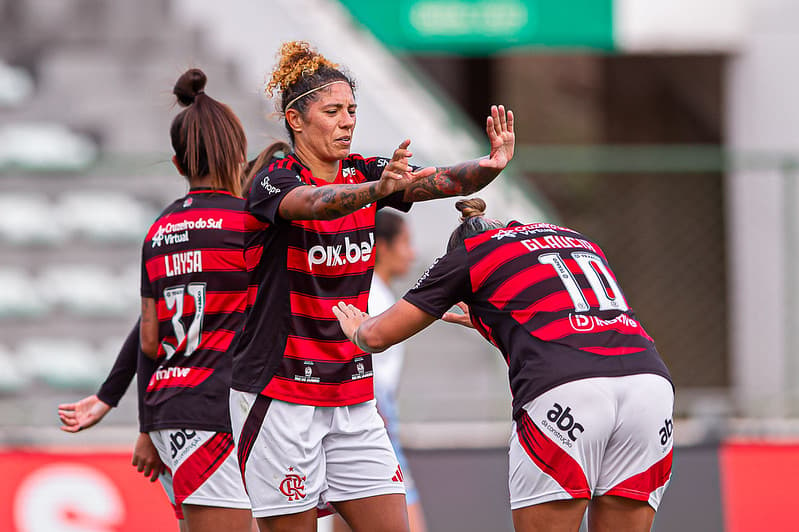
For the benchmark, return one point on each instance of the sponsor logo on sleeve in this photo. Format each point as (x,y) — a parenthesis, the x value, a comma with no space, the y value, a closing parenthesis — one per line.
(269,187)
(425,275)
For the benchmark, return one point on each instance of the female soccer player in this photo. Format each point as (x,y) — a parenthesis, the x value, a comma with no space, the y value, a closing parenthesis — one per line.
(394,255)
(193,289)
(302,405)
(592,400)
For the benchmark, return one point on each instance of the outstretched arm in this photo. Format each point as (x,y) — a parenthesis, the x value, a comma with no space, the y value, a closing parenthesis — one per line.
(90,410)
(399,322)
(468,177)
(334,201)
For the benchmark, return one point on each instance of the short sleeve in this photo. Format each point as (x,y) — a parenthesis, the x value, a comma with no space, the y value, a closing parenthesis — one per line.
(445,283)
(374,169)
(268,190)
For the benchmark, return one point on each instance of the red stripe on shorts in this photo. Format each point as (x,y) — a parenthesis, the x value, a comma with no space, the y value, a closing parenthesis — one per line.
(199,467)
(250,430)
(640,486)
(551,459)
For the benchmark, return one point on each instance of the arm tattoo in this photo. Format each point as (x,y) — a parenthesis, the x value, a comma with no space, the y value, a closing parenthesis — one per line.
(458,180)
(339,200)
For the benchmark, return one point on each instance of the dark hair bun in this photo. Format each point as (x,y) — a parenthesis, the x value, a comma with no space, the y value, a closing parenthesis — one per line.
(470,208)
(189,85)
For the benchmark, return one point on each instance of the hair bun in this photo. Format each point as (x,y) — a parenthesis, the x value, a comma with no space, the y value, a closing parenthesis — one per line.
(295,60)
(189,85)
(470,208)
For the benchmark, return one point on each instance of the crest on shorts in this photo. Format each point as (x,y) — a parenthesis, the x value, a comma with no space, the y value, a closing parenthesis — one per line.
(293,486)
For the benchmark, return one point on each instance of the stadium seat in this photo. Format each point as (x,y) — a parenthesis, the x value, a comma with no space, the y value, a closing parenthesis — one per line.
(27,219)
(104,215)
(12,378)
(44,146)
(85,289)
(16,85)
(19,297)
(61,363)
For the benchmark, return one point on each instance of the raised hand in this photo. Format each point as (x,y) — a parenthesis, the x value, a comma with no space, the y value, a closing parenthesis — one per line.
(464,319)
(146,459)
(499,127)
(81,415)
(397,174)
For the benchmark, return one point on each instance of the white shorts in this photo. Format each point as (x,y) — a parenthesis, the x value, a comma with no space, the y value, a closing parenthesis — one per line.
(592,437)
(203,469)
(296,457)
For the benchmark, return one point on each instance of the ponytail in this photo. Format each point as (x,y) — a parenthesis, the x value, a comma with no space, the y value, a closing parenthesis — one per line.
(207,136)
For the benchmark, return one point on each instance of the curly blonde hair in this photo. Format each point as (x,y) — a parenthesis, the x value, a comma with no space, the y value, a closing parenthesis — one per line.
(295,60)
(300,72)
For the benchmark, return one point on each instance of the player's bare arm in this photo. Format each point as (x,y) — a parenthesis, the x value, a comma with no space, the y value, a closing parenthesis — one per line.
(333,201)
(468,177)
(149,328)
(374,334)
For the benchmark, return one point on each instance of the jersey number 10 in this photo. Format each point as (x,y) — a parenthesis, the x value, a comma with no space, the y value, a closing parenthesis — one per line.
(604,286)
(173,297)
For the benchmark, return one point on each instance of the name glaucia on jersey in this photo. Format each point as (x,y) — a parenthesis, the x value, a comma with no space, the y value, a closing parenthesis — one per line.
(349,252)
(176,233)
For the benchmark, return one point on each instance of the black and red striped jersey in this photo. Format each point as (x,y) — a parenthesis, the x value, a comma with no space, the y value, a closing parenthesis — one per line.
(193,267)
(546,297)
(291,347)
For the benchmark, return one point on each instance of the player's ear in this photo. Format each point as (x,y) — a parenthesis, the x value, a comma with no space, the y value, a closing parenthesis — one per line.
(294,120)
(177,165)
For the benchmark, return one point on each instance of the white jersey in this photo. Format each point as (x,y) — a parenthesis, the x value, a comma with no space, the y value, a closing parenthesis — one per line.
(388,364)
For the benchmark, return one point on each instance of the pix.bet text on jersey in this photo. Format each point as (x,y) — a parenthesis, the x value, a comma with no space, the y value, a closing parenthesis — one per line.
(546,297)
(193,267)
(291,347)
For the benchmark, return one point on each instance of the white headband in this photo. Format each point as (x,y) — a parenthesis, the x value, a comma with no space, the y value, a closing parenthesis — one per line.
(306,93)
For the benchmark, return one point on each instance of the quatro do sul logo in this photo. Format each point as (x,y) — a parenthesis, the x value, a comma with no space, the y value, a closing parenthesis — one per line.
(293,486)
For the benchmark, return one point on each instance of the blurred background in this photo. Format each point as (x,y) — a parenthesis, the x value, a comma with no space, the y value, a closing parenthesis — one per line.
(665,131)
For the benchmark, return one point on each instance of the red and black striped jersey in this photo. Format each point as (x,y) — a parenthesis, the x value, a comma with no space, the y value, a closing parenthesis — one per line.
(546,297)
(193,267)
(291,347)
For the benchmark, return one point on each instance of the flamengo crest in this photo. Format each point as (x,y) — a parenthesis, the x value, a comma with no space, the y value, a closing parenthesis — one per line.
(293,486)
